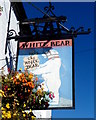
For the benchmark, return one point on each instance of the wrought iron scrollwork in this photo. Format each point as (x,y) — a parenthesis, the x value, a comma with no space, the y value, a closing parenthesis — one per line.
(12,33)
(48,9)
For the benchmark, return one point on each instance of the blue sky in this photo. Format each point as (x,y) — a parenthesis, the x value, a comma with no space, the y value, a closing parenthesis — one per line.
(78,14)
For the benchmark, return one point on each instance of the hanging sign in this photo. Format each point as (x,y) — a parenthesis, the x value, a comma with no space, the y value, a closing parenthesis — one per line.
(52,61)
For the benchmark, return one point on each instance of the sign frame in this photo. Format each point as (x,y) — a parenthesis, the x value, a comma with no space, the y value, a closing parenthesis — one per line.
(73,75)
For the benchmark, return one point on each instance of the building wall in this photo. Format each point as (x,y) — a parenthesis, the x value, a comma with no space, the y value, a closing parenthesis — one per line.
(3,33)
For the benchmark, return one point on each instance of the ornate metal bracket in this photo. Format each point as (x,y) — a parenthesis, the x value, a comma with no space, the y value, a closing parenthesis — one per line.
(48,27)
(49,9)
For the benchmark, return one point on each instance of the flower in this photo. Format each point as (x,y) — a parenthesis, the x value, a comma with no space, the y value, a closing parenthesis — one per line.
(9,88)
(8,115)
(18,75)
(24,105)
(22,111)
(36,78)
(24,115)
(50,96)
(22,90)
(6,86)
(30,76)
(39,92)
(14,114)
(17,103)
(33,118)
(2,116)
(28,90)
(1,91)
(0,94)
(3,109)
(14,80)
(32,86)
(3,112)
(7,105)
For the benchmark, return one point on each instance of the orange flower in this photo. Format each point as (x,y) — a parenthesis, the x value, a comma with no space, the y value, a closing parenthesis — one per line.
(36,78)
(16,83)
(26,84)
(14,80)
(20,78)
(23,80)
(22,75)
(30,83)
(32,86)
(28,90)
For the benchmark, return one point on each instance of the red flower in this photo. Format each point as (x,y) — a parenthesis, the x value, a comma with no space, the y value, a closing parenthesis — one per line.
(50,96)
(5,88)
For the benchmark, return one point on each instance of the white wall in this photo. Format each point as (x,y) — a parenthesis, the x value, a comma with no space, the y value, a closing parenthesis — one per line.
(13,45)
(3,32)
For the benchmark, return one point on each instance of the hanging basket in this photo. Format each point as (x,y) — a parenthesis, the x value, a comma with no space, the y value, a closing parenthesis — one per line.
(22,91)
